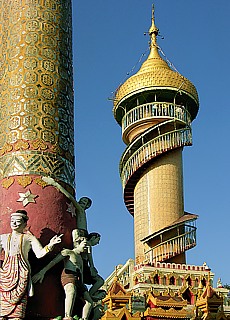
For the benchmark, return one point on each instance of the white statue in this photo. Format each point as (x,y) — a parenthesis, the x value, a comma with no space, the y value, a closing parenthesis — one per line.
(15,281)
(90,273)
(219,283)
(71,277)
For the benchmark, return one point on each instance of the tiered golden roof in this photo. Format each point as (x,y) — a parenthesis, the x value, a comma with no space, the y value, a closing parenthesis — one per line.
(118,303)
(166,306)
(154,73)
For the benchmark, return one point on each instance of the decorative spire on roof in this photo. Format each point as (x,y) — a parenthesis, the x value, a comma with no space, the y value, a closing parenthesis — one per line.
(154,59)
(153,31)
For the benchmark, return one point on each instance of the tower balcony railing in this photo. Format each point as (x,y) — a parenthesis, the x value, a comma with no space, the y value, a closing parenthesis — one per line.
(156,110)
(172,247)
(154,147)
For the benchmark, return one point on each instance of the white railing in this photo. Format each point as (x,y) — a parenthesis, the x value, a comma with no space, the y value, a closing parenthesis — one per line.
(172,247)
(156,110)
(151,149)
(124,273)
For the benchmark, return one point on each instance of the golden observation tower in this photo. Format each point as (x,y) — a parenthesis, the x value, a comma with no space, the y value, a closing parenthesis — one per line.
(155,108)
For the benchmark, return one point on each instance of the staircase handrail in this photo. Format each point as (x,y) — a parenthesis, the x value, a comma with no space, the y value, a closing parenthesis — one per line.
(156,110)
(162,143)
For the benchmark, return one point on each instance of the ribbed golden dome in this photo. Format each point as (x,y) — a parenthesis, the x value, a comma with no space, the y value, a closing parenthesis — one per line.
(154,73)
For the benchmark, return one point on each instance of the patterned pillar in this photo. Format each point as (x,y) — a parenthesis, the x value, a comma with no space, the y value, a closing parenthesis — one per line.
(36,127)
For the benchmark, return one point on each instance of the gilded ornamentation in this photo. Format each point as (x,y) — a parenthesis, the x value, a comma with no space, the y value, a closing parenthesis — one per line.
(15,108)
(6,183)
(47,79)
(6,148)
(21,145)
(24,181)
(36,82)
(30,92)
(39,144)
(30,77)
(29,134)
(56,148)
(48,108)
(48,65)
(27,197)
(48,136)
(31,106)
(38,163)
(30,63)
(30,120)
(14,122)
(48,122)
(40,182)
(47,94)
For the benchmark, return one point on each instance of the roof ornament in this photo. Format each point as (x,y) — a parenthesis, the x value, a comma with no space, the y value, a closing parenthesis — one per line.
(153,31)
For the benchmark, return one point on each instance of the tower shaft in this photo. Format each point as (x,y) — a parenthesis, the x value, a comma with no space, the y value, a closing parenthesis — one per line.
(158,197)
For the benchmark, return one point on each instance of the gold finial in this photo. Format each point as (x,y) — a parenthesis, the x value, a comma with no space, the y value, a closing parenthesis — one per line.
(153,31)
(116,276)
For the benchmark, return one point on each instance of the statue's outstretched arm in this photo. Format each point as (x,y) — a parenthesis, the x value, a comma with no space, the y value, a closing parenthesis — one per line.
(39,250)
(55,184)
(38,277)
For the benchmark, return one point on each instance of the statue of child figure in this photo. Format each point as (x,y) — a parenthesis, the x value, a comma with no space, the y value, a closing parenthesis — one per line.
(71,278)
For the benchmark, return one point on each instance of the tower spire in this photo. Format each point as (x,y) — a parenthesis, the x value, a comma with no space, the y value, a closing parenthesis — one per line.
(153,31)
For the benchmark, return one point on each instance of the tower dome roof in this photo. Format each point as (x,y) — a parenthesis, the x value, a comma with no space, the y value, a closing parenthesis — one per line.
(155,73)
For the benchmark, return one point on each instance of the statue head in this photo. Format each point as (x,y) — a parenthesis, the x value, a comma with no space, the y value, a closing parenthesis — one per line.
(93,238)
(18,220)
(79,239)
(85,202)
(80,244)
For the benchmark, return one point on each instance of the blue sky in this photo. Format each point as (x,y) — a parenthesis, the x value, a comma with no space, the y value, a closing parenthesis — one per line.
(108,42)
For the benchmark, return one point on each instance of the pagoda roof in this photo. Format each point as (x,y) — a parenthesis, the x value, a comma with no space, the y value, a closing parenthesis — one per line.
(117,289)
(209,298)
(119,313)
(170,313)
(166,301)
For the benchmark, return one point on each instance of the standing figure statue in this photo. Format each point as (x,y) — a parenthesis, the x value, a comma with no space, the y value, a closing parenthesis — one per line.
(71,278)
(15,281)
(90,273)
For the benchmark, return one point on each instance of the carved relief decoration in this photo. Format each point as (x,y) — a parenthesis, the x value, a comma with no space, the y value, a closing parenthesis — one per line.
(36,163)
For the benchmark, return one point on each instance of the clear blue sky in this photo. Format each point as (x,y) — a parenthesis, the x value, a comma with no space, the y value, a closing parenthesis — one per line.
(108,41)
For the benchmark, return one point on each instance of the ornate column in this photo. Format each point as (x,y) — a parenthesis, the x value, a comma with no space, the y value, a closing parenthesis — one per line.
(37,127)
